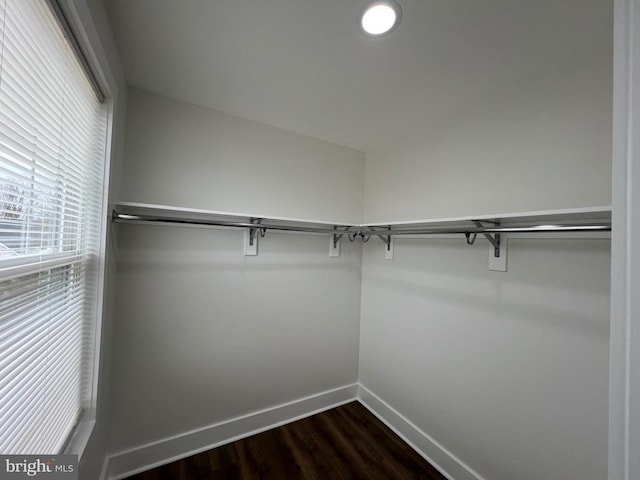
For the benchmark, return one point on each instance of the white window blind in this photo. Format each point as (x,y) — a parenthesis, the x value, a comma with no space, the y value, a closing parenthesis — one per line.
(52,163)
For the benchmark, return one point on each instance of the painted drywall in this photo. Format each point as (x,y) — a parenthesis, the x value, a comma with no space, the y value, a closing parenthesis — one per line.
(182,155)
(543,144)
(508,371)
(204,334)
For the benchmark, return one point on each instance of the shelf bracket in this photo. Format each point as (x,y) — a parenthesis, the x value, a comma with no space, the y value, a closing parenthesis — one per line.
(494,239)
(498,249)
(334,247)
(385,238)
(251,238)
(252,231)
(336,238)
(388,241)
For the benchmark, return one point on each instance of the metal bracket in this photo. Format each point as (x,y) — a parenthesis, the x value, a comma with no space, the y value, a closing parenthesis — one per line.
(493,239)
(388,254)
(253,231)
(251,238)
(498,249)
(385,238)
(334,247)
(336,238)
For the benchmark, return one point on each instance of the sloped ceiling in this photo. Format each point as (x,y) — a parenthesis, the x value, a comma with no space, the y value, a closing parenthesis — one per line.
(305,66)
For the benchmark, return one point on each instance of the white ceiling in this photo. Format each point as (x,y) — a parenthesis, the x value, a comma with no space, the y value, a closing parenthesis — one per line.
(304,65)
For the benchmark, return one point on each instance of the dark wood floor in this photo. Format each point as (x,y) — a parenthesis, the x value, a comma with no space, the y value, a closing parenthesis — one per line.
(347,442)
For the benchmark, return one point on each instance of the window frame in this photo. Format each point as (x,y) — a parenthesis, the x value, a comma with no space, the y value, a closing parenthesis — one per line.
(77,24)
(93,56)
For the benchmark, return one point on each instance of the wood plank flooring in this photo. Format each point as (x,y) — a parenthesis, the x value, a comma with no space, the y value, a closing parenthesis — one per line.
(347,442)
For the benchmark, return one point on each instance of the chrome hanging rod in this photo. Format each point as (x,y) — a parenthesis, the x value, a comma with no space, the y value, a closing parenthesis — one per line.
(125,217)
(356,230)
(590,227)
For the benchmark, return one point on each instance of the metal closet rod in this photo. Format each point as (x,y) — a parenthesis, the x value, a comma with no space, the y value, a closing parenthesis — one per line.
(365,230)
(125,217)
(591,227)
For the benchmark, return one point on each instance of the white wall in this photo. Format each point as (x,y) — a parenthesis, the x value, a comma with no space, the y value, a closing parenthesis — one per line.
(183,155)
(508,371)
(544,144)
(204,334)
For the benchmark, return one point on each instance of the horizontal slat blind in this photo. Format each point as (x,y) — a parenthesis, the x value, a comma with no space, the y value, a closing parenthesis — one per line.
(52,150)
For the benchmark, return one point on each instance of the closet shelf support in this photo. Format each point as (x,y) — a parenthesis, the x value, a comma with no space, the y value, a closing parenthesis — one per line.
(336,237)
(253,231)
(385,238)
(493,239)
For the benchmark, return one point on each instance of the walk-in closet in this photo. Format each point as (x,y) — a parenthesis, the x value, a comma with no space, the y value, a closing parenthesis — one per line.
(467,112)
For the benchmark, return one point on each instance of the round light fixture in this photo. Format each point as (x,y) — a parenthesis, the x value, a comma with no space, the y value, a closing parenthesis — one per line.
(381,17)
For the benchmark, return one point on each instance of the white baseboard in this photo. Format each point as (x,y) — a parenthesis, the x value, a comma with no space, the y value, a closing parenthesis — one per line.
(438,456)
(145,457)
(126,463)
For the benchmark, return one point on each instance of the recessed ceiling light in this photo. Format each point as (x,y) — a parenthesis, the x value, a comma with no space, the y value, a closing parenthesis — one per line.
(381,17)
